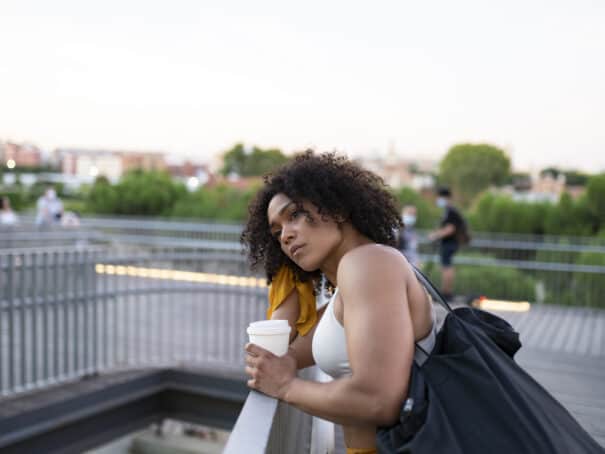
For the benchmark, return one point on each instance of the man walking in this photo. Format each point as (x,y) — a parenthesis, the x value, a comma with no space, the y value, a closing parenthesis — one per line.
(451,233)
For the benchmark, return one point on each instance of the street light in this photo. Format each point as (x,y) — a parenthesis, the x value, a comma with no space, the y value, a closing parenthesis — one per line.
(10,164)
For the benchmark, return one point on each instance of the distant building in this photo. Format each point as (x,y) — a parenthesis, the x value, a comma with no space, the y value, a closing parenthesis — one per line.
(142,160)
(549,184)
(398,172)
(236,182)
(192,174)
(544,187)
(88,164)
(20,155)
(187,169)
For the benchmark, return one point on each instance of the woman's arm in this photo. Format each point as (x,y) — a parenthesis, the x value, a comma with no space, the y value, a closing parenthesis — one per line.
(289,310)
(442,232)
(300,346)
(371,281)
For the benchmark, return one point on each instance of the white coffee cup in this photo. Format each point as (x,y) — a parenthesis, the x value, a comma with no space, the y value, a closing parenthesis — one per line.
(272,335)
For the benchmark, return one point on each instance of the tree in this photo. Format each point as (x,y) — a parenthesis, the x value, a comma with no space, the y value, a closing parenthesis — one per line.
(575,178)
(137,193)
(470,168)
(567,218)
(234,160)
(254,162)
(102,196)
(500,213)
(427,213)
(147,193)
(572,177)
(554,172)
(519,180)
(221,202)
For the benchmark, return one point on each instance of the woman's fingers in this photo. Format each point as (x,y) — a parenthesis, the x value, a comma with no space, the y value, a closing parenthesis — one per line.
(252,371)
(253,381)
(255,350)
(252,361)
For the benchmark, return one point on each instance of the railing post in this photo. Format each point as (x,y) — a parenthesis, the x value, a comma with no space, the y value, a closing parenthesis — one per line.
(11,321)
(34,316)
(55,301)
(22,319)
(65,306)
(45,303)
(93,292)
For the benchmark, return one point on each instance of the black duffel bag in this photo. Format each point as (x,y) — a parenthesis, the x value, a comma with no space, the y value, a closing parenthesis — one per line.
(471,397)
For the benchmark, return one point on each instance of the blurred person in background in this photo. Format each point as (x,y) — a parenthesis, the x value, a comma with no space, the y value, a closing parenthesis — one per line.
(451,235)
(7,215)
(49,208)
(407,239)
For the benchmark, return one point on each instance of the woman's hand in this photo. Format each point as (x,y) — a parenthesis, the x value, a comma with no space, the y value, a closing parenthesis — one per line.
(268,373)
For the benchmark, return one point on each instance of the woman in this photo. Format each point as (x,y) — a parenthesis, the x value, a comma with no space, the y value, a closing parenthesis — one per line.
(324,214)
(7,215)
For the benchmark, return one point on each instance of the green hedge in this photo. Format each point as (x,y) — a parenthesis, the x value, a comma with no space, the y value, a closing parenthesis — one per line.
(490,281)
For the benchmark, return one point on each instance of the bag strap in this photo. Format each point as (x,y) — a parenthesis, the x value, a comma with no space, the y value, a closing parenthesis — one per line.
(428,285)
(435,294)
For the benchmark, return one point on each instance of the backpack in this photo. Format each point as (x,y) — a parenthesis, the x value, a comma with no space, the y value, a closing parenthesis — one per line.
(463,237)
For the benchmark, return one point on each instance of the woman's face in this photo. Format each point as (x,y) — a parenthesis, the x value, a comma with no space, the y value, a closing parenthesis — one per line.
(303,235)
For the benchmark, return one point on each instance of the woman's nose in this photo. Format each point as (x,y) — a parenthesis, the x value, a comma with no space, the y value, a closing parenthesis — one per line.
(287,234)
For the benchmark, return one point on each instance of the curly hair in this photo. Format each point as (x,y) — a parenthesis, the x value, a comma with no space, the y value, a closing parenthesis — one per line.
(340,190)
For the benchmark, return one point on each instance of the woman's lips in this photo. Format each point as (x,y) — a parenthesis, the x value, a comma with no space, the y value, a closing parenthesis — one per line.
(295,249)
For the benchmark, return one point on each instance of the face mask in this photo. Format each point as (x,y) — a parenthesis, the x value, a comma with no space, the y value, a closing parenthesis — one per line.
(409,220)
(441,202)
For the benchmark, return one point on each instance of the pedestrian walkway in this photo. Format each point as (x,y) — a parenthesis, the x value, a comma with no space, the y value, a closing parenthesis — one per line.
(574,330)
(564,349)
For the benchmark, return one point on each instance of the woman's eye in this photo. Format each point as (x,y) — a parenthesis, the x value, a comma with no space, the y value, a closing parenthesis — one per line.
(277,234)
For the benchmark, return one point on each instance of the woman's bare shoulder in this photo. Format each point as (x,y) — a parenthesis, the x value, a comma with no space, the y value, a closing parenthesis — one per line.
(372,262)
(371,252)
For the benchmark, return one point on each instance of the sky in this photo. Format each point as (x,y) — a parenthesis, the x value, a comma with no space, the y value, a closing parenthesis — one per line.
(193,77)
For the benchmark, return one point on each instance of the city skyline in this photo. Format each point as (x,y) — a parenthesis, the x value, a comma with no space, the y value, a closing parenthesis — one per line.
(193,80)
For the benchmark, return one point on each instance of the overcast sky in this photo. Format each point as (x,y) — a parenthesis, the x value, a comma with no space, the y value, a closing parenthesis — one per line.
(192,77)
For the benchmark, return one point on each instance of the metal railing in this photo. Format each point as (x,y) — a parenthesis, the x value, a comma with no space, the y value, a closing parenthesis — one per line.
(557,270)
(66,313)
(545,269)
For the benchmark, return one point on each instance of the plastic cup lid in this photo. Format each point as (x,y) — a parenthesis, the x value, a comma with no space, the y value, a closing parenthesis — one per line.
(269,327)
(270,323)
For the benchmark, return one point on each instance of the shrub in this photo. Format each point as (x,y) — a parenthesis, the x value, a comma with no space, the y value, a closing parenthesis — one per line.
(490,281)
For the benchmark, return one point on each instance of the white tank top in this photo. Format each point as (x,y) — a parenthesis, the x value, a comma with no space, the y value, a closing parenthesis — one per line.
(329,346)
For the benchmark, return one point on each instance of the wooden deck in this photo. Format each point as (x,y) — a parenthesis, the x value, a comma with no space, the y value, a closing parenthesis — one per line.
(564,349)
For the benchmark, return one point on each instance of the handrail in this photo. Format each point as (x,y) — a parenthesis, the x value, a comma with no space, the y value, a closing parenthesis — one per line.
(254,424)
(267,425)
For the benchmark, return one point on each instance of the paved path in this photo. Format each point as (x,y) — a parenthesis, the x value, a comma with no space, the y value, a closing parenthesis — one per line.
(564,349)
